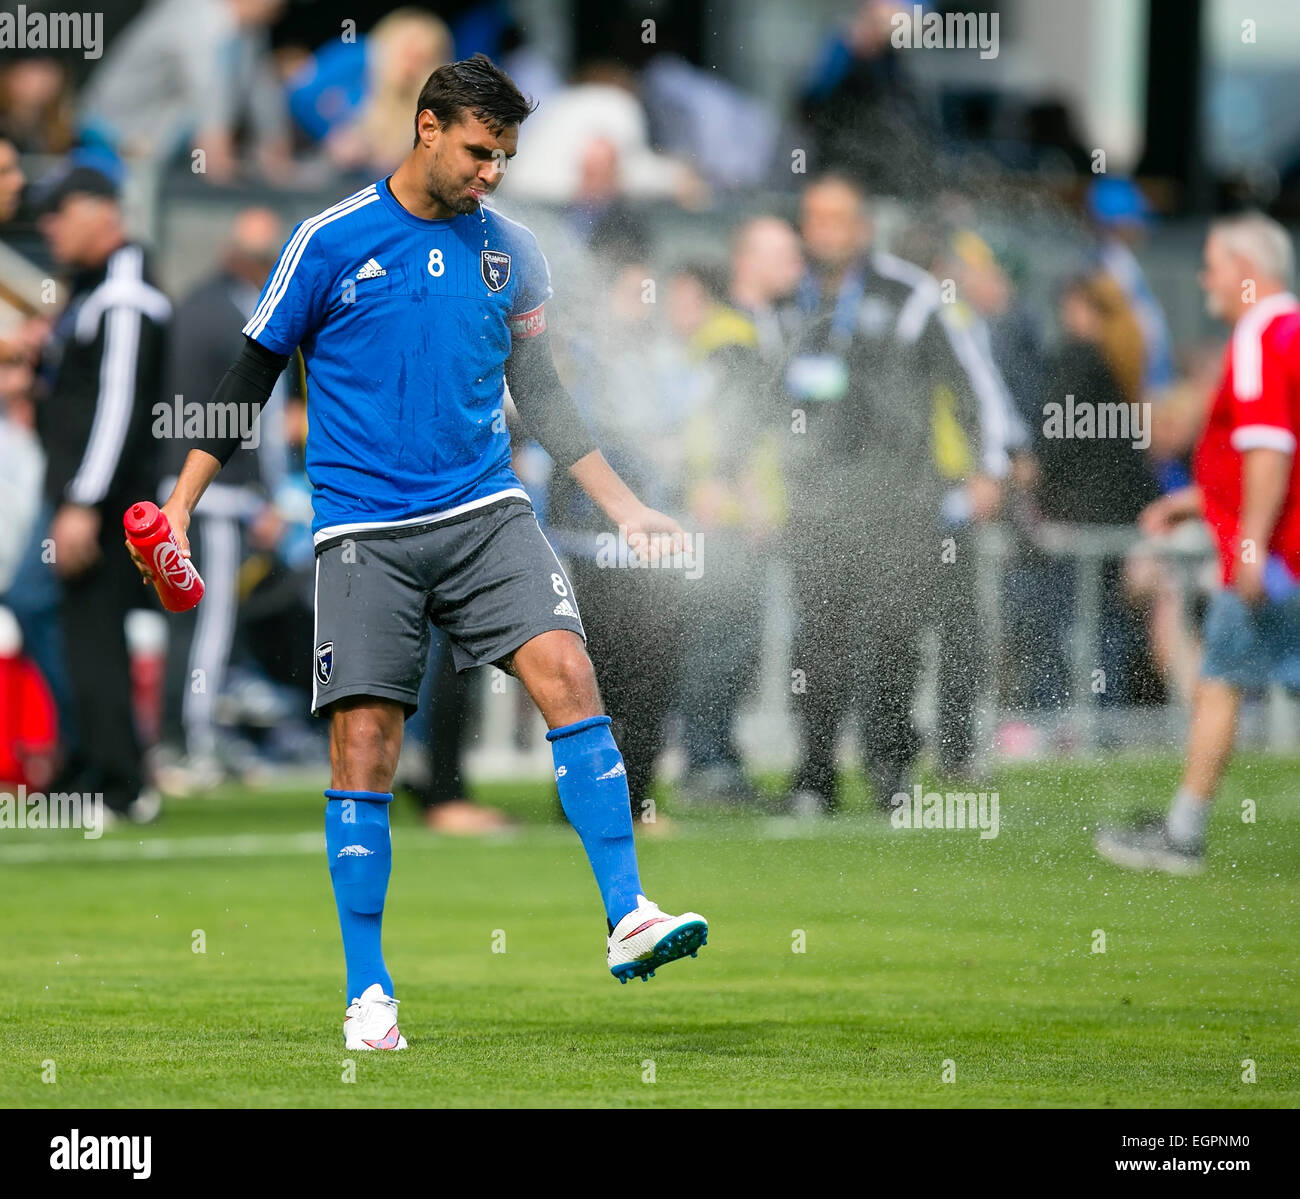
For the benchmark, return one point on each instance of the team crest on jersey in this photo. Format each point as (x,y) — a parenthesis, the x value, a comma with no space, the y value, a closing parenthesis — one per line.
(324,662)
(494,266)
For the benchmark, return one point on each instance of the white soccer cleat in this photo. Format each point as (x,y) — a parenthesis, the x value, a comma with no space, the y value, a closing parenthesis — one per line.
(647,938)
(371,1021)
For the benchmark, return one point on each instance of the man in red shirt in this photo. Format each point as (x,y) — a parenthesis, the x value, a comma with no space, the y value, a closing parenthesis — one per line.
(1247,489)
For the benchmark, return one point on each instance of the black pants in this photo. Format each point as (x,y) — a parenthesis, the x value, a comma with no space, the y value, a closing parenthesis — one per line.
(635,639)
(961,657)
(723,610)
(108,757)
(440,729)
(860,610)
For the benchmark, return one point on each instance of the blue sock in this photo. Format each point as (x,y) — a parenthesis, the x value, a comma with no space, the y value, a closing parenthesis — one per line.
(592,781)
(361,858)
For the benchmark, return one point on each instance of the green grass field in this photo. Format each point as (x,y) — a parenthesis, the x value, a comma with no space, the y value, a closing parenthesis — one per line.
(920,948)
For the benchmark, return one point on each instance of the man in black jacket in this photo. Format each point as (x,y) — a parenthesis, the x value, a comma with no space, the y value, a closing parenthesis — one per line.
(205,337)
(867,491)
(103,369)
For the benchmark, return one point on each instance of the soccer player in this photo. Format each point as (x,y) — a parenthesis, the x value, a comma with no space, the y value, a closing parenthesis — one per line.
(1248,490)
(414,304)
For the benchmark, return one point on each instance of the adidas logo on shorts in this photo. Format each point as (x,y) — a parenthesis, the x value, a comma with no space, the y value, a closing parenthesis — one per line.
(564,608)
(372,270)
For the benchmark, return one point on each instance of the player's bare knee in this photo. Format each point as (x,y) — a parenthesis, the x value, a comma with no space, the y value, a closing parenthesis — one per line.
(574,676)
(365,749)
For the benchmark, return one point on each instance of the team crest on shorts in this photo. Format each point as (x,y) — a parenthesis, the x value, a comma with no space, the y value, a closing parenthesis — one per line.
(324,662)
(494,266)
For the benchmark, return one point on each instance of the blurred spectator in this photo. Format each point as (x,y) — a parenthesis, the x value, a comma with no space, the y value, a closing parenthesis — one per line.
(628,383)
(1248,491)
(1120,213)
(104,371)
(729,519)
(22,468)
(727,136)
(976,431)
(598,215)
(36,104)
(357,97)
(12,180)
(188,73)
(205,339)
(1091,479)
(1099,362)
(864,499)
(603,106)
(1007,328)
(900,433)
(28,587)
(766,266)
(866,116)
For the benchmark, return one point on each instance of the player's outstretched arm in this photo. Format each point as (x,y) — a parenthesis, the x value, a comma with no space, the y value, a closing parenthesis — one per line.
(551,416)
(646,530)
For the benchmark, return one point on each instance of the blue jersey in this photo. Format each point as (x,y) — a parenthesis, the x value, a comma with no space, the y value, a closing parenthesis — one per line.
(405,325)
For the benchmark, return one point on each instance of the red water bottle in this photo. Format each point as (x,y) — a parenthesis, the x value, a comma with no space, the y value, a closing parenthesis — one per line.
(174,577)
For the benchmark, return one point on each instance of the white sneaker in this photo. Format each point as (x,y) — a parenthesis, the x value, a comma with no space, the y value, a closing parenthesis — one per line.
(372,1021)
(647,938)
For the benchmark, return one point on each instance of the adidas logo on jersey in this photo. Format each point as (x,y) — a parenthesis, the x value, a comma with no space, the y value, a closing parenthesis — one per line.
(372,270)
(613,772)
(564,608)
(355,851)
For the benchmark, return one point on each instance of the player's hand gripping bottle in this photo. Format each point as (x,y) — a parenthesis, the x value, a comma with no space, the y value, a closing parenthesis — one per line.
(174,577)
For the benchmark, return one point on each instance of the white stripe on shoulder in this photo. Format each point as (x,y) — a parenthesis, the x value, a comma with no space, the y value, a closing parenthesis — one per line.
(117,386)
(1248,344)
(124,285)
(893,267)
(287,252)
(925,297)
(293,252)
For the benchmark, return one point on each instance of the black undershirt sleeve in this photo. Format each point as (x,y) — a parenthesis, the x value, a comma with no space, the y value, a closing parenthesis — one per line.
(544,403)
(249,380)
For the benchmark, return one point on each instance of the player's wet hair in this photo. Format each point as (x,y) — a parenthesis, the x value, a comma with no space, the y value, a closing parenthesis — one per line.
(476,86)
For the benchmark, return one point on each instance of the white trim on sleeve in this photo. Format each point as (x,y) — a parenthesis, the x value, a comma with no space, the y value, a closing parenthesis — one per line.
(1263,437)
(293,253)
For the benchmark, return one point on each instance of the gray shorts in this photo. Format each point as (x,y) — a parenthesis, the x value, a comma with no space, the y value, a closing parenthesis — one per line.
(488,579)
